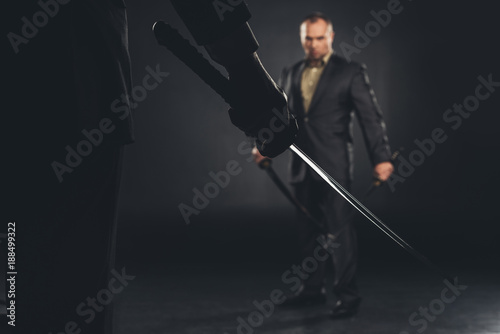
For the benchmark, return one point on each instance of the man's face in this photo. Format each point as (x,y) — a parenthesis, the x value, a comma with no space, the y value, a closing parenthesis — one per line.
(316,39)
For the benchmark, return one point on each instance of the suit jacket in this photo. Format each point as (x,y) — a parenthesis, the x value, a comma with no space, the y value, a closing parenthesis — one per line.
(65,77)
(325,132)
(62,80)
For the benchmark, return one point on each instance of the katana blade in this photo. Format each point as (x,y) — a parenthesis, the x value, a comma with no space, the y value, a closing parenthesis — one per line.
(365,212)
(266,165)
(169,37)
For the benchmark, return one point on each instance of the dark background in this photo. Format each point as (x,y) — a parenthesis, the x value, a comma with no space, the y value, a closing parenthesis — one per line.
(200,277)
(424,61)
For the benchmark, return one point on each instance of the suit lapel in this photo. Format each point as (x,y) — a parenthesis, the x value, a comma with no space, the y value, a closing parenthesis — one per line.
(322,83)
(297,77)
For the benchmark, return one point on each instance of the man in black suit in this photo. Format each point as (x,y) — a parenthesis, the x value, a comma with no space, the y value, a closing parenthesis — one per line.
(323,90)
(67,65)
(67,61)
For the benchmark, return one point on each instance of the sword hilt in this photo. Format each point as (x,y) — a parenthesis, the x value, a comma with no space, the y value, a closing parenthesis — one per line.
(170,38)
(265,163)
(376,181)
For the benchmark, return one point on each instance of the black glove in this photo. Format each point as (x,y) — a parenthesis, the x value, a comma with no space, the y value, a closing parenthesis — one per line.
(259,107)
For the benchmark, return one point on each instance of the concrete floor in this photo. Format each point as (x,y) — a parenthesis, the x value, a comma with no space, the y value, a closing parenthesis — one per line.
(210,299)
(198,280)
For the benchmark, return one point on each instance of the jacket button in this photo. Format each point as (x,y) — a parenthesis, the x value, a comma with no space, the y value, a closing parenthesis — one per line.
(306,119)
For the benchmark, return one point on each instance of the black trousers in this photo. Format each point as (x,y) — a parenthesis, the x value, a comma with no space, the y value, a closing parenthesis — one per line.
(336,215)
(66,248)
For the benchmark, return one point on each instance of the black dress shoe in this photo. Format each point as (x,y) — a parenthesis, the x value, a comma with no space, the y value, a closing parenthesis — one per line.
(344,310)
(304,299)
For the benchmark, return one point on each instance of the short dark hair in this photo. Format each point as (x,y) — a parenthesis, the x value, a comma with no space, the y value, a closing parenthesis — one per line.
(315,16)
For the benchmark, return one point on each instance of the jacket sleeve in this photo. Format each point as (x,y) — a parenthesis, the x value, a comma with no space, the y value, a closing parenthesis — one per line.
(284,81)
(369,117)
(282,77)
